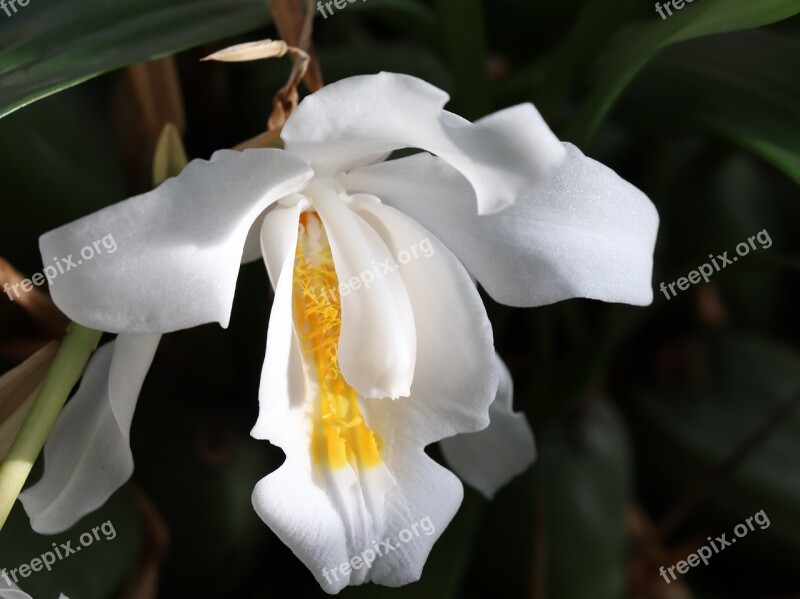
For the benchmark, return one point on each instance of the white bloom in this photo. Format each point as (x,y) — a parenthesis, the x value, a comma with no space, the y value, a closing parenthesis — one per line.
(352,389)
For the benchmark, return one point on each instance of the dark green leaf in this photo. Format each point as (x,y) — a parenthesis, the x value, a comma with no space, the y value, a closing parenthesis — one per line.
(635,46)
(48,178)
(49,46)
(465,46)
(595,24)
(411,16)
(742,86)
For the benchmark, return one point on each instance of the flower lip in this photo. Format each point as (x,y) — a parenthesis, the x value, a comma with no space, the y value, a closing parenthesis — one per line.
(377,346)
(340,435)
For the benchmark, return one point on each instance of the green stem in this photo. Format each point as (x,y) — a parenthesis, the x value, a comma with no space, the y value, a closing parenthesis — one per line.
(67,368)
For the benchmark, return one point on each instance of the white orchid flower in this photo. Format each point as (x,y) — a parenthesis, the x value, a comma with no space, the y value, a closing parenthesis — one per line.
(378,343)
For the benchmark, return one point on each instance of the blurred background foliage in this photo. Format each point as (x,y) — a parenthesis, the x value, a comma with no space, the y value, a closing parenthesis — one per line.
(657,427)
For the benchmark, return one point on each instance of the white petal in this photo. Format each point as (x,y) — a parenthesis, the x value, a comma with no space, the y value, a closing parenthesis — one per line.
(8,590)
(12,591)
(326,530)
(490,458)
(455,379)
(87,456)
(168,259)
(419,509)
(377,344)
(361,119)
(283,386)
(584,232)
(252,244)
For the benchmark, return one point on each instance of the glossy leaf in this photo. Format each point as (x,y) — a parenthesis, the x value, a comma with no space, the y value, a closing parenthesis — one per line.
(46,178)
(594,25)
(635,46)
(49,46)
(742,86)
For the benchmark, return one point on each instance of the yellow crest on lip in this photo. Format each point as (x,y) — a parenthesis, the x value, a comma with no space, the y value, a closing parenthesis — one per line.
(340,436)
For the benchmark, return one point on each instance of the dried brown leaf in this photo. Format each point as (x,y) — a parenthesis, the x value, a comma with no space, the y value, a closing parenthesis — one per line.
(37,303)
(251,51)
(18,388)
(295,25)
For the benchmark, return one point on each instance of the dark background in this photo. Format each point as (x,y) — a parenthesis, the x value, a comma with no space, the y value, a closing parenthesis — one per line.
(657,427)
